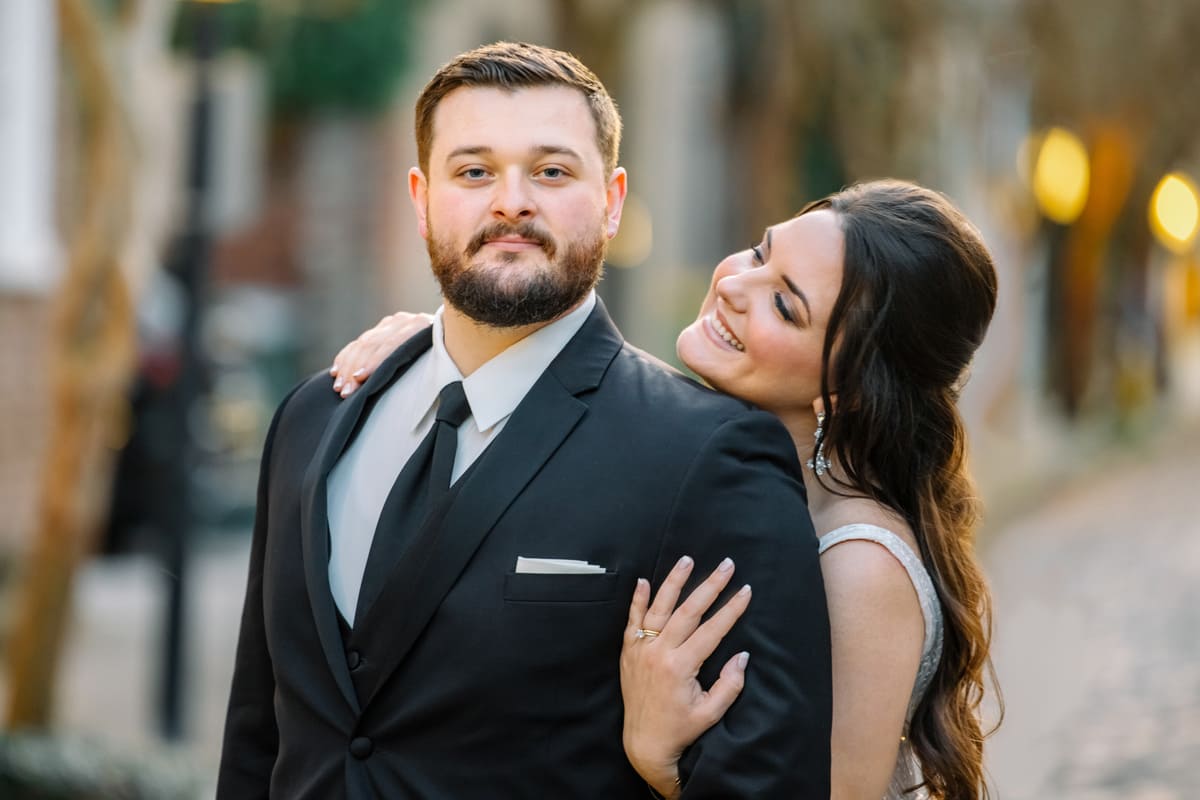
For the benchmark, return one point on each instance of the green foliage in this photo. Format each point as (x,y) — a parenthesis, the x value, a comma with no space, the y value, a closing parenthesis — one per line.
(321,55)
(347,57)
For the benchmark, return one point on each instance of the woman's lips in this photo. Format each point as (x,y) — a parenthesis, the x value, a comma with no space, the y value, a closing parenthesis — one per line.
(718,331)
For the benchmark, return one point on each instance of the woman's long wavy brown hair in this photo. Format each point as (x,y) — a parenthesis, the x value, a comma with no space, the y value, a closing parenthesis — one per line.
(918,292)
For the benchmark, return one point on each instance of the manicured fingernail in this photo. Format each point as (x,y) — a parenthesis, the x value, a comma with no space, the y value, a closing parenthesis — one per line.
(358,372)
(349,390)
(725,565)
(744,590)
(337,385)
(683,563)
(333,370)
(743,658)
(642,582)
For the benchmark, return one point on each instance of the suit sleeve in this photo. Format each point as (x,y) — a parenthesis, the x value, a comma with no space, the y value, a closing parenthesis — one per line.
(744,498)
(251,737)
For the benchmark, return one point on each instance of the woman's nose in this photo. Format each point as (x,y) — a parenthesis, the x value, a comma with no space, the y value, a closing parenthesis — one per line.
(732,290)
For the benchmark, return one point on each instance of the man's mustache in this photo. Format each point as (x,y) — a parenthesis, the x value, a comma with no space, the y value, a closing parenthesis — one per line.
(525,230)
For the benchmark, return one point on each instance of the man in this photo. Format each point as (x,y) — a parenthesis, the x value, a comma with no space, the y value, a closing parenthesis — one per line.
(410,633)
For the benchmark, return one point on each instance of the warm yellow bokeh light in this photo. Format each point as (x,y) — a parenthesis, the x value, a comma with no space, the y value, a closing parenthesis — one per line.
(1061,177)
(1175,212)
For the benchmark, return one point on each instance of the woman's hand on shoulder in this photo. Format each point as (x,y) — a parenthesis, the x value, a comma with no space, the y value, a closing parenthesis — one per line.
(666,708)
(357,360)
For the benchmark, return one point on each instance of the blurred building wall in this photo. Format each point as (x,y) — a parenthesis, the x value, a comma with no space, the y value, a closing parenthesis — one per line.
(30,253)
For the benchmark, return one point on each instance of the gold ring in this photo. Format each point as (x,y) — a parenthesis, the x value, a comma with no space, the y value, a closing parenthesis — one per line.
(646,633)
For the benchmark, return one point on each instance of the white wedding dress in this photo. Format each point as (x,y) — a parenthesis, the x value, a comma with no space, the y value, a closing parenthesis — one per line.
(907,772)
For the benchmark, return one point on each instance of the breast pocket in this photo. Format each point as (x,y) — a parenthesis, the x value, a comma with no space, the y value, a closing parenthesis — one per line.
(524,587)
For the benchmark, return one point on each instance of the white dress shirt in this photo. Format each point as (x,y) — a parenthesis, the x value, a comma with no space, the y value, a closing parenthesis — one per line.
(362,478)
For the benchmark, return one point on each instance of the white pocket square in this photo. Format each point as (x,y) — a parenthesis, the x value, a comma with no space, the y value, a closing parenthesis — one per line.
(557,566)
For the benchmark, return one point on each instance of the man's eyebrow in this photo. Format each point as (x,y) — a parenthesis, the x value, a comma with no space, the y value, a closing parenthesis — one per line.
(471,150)
(556,150)
(541,150)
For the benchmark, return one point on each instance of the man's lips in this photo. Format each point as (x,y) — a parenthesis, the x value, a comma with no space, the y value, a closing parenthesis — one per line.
(513,244)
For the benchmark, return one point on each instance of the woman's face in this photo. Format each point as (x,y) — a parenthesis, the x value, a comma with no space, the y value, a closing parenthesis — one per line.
(761,329)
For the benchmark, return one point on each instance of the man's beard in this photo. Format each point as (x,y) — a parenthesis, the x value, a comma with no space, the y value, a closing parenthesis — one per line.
(526,294)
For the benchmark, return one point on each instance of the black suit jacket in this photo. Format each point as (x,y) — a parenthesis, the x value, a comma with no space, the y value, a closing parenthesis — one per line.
(464,679)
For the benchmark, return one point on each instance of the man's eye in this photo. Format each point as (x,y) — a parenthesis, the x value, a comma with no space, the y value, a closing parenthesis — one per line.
(475,173)
(757,251)
(553,173)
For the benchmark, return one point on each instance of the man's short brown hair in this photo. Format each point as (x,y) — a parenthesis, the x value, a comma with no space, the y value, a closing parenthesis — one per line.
(512,66)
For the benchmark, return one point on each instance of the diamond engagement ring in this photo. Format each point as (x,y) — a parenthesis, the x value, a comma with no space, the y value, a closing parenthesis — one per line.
(646,633)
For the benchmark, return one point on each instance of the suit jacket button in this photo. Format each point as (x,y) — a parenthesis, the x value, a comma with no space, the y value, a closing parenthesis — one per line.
(353,659)
(361,747)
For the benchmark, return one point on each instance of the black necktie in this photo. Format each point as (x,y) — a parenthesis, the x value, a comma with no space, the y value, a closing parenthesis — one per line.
(422,482)
(452,411)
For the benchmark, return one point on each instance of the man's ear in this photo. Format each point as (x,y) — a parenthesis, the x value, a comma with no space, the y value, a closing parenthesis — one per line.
(615,199)
(418,192)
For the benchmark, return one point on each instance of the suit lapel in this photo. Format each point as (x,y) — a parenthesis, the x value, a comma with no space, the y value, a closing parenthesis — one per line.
(455,529)
(314,503)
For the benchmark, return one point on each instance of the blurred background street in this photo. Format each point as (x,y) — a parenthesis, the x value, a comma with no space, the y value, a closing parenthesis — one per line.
(204,200)
(1097,597)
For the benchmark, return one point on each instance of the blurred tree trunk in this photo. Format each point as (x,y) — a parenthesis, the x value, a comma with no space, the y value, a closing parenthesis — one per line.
(92,353)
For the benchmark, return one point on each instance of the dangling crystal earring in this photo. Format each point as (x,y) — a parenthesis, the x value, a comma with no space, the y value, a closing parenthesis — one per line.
(819,463)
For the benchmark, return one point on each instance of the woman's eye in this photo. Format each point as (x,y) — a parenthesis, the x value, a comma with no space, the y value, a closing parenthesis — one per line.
(757,251)
(783,309)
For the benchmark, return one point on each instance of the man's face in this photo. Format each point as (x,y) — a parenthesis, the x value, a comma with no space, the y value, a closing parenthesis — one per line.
(516,210)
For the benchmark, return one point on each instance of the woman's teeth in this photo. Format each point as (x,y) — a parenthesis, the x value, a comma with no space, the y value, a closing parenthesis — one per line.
(724,333)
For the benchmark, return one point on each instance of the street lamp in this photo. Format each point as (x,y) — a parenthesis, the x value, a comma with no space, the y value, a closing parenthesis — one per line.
(1061,176)
(188,262)
(1175,212)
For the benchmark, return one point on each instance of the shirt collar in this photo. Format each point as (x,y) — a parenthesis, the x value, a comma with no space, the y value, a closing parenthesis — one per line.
(496,389)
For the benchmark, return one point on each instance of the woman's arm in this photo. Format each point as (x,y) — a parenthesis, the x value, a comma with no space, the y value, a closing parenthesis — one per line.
(877,631)
(357,360)
(666,708)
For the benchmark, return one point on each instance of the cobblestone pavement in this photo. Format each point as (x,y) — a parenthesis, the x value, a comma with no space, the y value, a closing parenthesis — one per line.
(1097,636)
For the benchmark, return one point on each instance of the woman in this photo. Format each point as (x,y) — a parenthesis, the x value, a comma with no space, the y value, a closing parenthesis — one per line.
(854,322)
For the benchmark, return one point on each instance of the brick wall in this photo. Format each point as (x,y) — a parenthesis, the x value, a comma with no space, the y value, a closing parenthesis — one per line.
(24,413)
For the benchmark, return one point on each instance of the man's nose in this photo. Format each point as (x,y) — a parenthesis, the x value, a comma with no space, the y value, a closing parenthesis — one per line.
(513,201)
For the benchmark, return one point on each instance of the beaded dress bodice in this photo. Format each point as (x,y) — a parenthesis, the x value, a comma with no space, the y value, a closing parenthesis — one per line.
(907,772)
